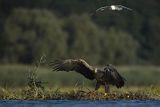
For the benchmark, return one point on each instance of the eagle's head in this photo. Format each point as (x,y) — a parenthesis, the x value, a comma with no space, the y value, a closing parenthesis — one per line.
(110,68)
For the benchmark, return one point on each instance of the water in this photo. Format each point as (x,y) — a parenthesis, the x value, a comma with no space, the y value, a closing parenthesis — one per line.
(70,103)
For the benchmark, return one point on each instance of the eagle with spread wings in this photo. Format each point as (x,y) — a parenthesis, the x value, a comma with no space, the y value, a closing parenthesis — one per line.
(106,76)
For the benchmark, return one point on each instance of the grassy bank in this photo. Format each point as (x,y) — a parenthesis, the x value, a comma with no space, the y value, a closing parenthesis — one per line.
(127,93)
(142,83)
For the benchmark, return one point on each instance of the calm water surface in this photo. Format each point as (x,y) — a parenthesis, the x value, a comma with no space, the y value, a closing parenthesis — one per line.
(70,103)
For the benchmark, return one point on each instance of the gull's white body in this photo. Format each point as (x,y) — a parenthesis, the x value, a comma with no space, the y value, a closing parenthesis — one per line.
(113,7)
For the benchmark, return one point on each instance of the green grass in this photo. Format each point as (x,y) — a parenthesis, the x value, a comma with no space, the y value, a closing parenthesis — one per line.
(142,83)
(16,76)
(141,75)
(74,93)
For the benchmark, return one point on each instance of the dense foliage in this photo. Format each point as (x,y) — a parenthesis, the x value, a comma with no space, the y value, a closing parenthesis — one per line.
(65,29)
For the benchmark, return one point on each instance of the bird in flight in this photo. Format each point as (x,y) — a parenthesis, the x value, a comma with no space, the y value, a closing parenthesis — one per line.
(105,76)
(113,7)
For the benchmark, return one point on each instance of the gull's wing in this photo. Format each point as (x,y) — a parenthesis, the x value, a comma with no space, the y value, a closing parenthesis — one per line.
(78,65)
(124,7)
(102,8)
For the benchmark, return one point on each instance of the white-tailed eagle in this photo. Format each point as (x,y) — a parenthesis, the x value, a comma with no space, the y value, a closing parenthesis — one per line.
(107,76)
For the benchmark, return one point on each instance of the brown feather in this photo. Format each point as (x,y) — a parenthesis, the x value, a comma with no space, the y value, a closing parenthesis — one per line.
(78,65)
(114,77)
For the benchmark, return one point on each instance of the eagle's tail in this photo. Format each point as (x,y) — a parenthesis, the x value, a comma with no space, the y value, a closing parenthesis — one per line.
(120,81)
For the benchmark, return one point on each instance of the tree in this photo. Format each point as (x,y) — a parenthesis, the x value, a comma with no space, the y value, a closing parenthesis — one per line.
(31,33)
(83,40)
(154,39)
(139,24)
(118,47)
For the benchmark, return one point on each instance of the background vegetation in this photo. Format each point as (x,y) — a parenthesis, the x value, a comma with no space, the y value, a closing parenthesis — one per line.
(13,76)
(66,29)
(63,29)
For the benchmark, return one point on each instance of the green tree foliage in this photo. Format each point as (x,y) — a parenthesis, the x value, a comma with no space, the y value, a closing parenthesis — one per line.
(118,47)
(154,40)
(88,41)
(141,25)
(83,40)
(31,33)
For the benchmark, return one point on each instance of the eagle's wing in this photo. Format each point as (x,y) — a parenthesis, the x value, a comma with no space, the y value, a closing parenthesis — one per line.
(78,65)
(114,77)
